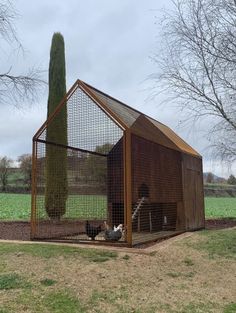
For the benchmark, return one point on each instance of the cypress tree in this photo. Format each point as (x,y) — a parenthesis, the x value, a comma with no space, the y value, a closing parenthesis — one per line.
(56,157)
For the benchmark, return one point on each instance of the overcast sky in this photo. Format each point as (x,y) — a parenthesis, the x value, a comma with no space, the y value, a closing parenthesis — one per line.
(109,44)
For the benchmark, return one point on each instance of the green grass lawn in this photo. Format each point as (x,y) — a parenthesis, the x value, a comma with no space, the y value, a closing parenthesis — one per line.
(17,207)
(192,275)
(218,243)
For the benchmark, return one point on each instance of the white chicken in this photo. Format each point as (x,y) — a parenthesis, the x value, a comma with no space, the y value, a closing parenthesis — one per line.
(119,227)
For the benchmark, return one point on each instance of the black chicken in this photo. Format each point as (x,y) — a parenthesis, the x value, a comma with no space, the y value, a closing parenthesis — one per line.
(92,231)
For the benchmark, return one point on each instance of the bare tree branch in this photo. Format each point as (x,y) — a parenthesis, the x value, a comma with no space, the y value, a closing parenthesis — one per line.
(16,89)
(197,64)
(8,15)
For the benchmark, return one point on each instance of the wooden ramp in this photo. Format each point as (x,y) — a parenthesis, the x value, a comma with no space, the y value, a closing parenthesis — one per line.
(142,238)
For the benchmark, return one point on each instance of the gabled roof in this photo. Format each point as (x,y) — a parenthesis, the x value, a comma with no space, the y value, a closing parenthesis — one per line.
(139,123)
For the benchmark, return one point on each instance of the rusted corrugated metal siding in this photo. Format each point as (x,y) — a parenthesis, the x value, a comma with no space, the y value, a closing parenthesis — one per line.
(157,167)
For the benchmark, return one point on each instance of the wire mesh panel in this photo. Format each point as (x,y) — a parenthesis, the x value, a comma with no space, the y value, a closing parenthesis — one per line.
(157,190)
(77,175)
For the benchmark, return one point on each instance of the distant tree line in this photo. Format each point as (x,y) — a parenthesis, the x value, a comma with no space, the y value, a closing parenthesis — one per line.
(5,165)
(231,180)
(210,178)
(15,179)
(88,169)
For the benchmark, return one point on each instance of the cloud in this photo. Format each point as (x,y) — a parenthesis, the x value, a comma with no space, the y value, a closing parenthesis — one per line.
(17,129)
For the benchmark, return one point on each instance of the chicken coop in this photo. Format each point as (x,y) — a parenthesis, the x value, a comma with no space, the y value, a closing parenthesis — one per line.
(116,176)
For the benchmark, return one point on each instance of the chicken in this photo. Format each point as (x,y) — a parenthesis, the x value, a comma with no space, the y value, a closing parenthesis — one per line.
(118,227)
(92,231)
(114,234)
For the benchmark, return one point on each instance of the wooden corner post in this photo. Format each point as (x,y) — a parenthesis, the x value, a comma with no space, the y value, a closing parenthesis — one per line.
(128,185)
(33,192)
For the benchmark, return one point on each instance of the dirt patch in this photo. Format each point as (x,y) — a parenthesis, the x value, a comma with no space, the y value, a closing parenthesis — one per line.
(20,230)
(15,230)
(220,223)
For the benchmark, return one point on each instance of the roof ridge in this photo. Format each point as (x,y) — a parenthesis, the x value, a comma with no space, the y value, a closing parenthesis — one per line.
(166,130)
(126,105)
(174,133)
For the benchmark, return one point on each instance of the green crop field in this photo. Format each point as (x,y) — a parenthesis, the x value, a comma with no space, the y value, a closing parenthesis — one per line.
(17,207)
(220,207)
(14,206)
(80,206)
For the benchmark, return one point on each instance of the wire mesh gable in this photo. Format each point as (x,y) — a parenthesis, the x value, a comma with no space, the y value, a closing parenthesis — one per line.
(124,113)
(87,124)
(74,176)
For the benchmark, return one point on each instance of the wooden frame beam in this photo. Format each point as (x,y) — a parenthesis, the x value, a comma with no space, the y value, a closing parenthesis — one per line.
(33,192)
(128,186)
(71,148)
